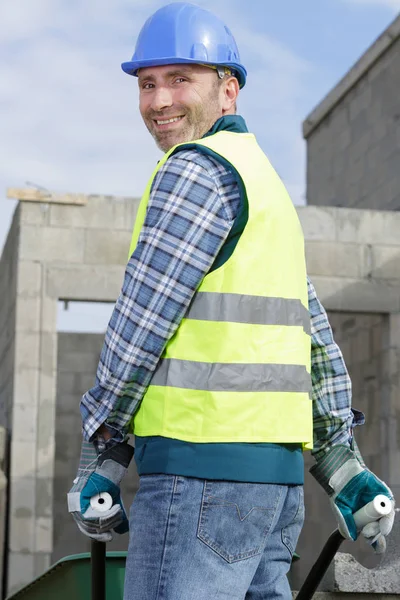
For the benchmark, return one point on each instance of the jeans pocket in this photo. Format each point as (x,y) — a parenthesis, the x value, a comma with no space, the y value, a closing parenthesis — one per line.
(291,533)
(233,522)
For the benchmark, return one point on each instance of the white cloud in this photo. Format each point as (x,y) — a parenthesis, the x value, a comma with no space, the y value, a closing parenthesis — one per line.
(69,117)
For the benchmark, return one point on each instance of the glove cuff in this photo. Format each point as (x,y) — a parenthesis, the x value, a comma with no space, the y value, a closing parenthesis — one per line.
(325,468)
(357,453)
(121,453)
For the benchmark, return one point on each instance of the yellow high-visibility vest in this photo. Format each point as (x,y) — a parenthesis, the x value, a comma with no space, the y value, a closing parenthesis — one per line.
(238,367)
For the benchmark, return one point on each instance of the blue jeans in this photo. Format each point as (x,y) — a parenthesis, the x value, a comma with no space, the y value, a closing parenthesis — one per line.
(192,539)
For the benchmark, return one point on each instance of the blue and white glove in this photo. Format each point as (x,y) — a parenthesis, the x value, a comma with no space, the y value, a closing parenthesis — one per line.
(350,486)
(99,473)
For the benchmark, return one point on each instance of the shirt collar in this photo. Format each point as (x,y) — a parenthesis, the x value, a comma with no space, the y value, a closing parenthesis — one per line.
(234,123)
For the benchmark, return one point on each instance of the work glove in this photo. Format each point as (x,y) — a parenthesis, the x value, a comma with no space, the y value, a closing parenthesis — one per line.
(350,486)
(98,473)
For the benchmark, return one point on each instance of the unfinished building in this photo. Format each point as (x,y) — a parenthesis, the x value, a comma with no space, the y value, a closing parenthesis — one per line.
(74,248)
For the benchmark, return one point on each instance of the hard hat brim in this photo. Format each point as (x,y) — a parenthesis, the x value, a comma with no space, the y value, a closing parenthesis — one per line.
(132,67)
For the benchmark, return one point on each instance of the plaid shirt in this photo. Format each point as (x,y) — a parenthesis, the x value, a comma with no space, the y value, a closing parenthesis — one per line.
(193,203)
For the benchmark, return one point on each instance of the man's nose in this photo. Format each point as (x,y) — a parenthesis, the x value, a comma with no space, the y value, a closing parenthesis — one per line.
(161,98)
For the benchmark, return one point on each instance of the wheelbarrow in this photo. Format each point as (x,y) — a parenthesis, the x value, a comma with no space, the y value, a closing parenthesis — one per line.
(99,576)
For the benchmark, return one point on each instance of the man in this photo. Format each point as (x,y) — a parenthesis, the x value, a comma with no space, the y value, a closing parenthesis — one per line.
(211,354)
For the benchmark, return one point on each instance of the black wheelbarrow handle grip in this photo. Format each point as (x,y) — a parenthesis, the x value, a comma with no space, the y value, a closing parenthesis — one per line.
(98,568)
(320,567)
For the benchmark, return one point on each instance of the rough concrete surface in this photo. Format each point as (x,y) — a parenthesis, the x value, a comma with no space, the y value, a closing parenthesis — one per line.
(350,576)
(353,151)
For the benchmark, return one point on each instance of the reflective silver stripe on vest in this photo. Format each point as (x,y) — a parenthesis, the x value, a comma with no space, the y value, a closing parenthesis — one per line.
(231,377)
(243,308)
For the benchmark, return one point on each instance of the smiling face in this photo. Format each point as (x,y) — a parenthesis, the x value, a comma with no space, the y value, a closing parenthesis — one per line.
(180,103)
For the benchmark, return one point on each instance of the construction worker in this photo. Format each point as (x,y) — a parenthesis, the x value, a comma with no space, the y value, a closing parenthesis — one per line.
(218,355)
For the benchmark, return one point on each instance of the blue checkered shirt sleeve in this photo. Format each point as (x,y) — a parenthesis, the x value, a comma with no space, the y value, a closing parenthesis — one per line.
(333,416)
(191,209)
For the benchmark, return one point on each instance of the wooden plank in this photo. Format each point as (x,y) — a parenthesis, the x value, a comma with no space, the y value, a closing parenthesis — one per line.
(36,195)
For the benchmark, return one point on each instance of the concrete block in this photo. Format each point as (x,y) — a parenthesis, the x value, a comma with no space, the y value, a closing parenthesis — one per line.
(394,330)
(388,145)
(42,562)
(85,283)
(125,210)
(79,362)
(107,247)
(379,127)
(20,570)
(34,213)
(45,448)
(386,262)
(26,382)
(28,314)
(53,244)
(46,421)
(66,402)
(84,381)
(45,459)
(360,147)
(368,226)
(29,278)
(70,342)
(360,347)
(318,223)
(48,355)
(344,139)
(22,534)
(22,459)
(47,386)
(98,213)
(22,497)
(66,384)
(3,513)
(3,443)
(48,314)
(27,350)
(333,259)
(24,423)
(44,497)
(44,534)
(351,295)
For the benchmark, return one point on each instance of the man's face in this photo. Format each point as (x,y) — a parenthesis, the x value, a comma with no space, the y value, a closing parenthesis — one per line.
(191,95)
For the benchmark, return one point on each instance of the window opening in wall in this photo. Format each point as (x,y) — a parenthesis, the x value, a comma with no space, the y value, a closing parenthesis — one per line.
(83,317)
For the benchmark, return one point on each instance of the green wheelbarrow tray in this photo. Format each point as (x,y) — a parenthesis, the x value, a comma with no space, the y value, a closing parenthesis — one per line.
(83,576)
(70,578)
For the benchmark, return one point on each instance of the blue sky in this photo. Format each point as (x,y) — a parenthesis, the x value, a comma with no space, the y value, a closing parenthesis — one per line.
(68,114)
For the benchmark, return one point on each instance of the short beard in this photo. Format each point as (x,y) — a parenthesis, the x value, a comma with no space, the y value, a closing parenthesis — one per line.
(196,122)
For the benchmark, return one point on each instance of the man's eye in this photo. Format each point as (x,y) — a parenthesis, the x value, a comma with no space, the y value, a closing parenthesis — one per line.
(147,86)
(179,79)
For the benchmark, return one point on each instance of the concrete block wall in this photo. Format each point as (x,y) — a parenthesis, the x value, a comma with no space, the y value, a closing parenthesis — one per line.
(353,150)
(78,354)
(364,343)
(78,253)
(59,254)
(8,286)
(3,501)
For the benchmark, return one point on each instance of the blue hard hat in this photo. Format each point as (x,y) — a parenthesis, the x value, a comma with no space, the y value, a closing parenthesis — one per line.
(185,33)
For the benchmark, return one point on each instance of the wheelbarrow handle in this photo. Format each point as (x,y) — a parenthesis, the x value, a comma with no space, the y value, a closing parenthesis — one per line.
(98,567)
(320,566)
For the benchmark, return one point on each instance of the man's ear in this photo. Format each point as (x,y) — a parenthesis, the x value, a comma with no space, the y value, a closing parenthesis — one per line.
(230,94)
